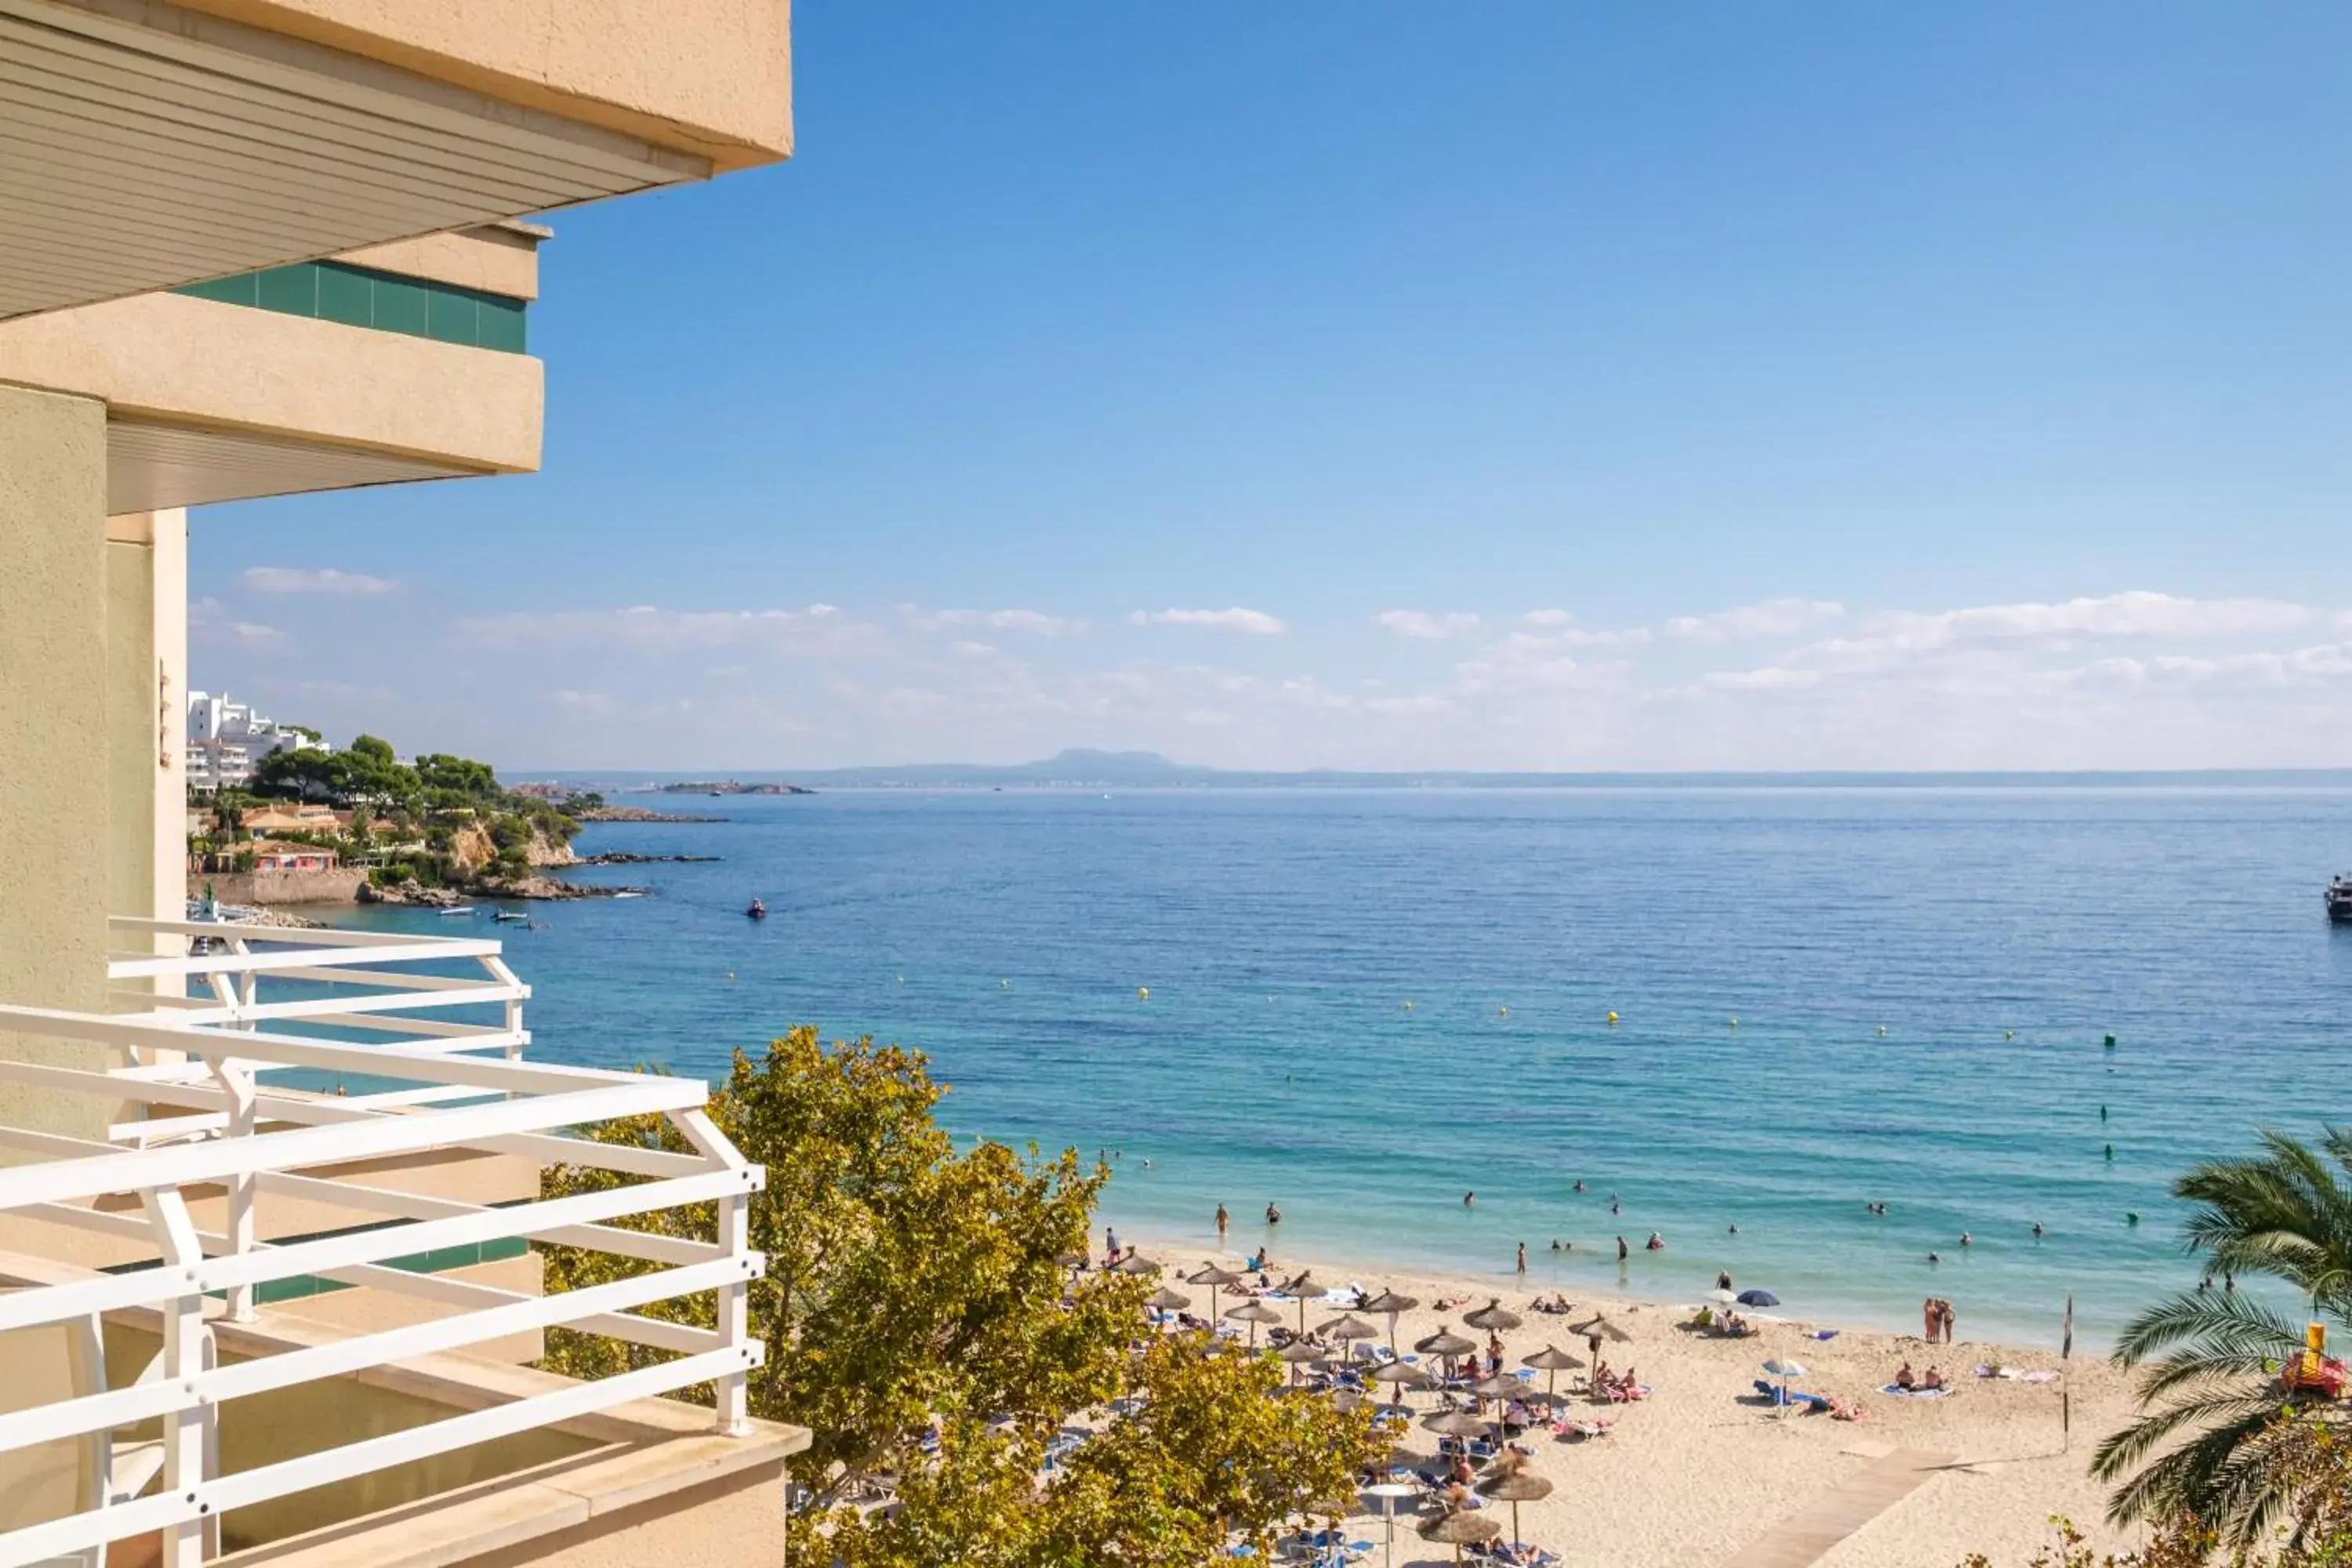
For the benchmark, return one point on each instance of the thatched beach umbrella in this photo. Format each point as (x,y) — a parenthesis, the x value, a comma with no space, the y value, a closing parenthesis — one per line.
(1445,1343)
(1072,1261)
(1346,1399)
(1515,1487)
(1388,1304)
(1401,1375)
(1166,1301)
(1501,1385)
(1215,1279)
(1456,1424)
(1299,1353)
(1493,1318)
(1551,1360)
(1345,1327)
(1253,1313)
(1596,1329)
(1135,1263)
(1296,1290)
(1455,1530)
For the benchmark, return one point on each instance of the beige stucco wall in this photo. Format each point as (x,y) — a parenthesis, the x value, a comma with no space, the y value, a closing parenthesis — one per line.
(147,657)
(496,259)
(713,77)
(54,850)
(200,362)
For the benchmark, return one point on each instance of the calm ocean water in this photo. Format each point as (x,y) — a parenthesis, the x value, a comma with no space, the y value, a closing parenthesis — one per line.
(1364,1003)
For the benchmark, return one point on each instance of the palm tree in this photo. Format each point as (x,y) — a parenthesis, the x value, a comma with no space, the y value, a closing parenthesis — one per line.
(2285,1213)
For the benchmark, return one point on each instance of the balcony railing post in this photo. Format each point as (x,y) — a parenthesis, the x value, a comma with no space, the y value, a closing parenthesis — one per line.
(186,1434)
(235,1079)
(734,1391)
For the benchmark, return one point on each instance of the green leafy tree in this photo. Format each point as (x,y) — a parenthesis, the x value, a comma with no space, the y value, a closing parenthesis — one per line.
(912,1290)
(2212,1444)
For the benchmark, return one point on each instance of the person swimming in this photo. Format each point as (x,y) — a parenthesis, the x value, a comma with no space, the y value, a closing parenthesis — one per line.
(1273,1213)
(1655,1244)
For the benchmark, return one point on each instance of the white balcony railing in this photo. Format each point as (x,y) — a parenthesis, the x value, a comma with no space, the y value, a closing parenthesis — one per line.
(213,1095)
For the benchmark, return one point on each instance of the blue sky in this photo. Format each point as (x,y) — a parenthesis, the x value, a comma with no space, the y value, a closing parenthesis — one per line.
(1552,386)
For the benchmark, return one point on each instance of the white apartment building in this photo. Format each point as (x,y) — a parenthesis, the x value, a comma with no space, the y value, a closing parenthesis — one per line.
(228,739)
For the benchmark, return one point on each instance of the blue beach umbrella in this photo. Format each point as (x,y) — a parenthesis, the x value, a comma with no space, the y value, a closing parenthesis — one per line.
(1758,1298)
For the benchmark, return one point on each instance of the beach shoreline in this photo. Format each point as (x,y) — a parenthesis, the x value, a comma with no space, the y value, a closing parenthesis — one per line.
(1706,1469)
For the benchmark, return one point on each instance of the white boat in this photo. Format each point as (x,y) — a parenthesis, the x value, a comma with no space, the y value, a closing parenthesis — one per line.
(455,910)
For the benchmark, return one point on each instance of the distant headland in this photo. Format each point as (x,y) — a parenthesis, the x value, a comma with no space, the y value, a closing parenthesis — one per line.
(1087,768)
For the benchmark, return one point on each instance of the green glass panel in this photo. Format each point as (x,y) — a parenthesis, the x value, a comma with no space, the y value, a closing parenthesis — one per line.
(502,326)
(505,1247)
(346,296)
(240,289)
(453,316)
(401,307)
(293,290)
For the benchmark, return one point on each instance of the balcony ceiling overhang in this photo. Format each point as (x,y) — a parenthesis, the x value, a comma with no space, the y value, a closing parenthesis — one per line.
(143,146)
(152,465)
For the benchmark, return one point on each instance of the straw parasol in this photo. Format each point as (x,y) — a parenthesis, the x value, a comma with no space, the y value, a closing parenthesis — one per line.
(1166,1301)
(1515,1487)
(1346,1399)
(1501,1385)
(1596,1329)
(1455,1530)
(1298,1353)
(1254,1313)
(1493,1317)
(1445,1343)
(1404,1373)
(1072,1261)
(1346,1327)
(1551,1360)
(1135,1263)
(1390,1304)
(1216,1279)
(1296,1288)
(1456,1424)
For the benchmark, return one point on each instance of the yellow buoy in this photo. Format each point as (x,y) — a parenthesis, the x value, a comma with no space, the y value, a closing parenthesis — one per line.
(1881,1031)
(1408,1006)
(1143,993)
(1735,1023)
(1502,1012)
(1612,1020)
(2008,1034)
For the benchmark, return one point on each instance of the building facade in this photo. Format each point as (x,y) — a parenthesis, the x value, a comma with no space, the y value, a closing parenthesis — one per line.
(227,741)
(253,248)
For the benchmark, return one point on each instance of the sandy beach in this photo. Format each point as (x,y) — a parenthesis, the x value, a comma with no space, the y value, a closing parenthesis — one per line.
(1704,1471)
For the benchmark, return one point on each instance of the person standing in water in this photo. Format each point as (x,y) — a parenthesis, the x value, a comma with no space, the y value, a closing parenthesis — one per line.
(1523,1258)
(1224,1220)
(1469,1199)
(1623,1252)
(1273,1214)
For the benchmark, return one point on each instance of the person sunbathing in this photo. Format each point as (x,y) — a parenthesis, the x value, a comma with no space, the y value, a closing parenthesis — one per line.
(1906,1378)
(1844,1409)
(1934,1379)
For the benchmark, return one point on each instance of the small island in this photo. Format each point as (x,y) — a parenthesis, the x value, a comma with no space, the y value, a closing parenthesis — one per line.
(730,786)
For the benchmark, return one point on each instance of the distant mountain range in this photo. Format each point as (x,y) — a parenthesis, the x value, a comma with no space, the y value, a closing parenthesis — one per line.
(1086,768)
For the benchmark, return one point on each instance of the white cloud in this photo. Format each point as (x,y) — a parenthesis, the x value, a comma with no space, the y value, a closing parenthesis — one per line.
(818,628)
(210,622)
(1427,625)
(1034,622)
(1770,618)
(314,580)
(1548,618)
(1771,678)
(2128,614)
(1250,623)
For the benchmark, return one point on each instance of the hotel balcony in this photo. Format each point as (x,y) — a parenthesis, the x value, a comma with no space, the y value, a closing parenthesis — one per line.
(265,1287)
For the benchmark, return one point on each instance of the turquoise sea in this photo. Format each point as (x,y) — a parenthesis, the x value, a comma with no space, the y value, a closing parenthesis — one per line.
(1364,1003)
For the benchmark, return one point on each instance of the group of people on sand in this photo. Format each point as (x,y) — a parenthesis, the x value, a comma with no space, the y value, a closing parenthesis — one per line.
(1937,1315)
(1606,1383)
(1910,1382)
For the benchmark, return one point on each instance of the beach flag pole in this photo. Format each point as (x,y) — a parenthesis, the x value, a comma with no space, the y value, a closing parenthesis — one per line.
(2066,1393)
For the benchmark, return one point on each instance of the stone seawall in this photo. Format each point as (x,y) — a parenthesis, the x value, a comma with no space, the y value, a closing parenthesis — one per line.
(338,887)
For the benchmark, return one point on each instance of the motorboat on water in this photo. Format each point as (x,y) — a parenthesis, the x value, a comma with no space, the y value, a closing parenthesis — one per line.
(455,910)
(2339,899)
(513,917)
(758,909)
